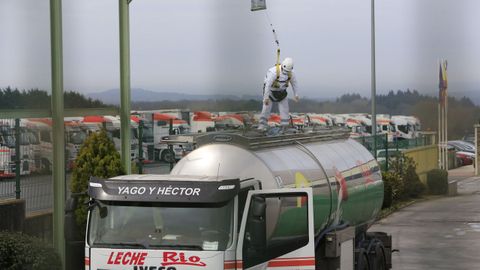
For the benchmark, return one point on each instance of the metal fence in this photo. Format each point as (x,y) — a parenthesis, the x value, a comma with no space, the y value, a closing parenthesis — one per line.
(25,162)
(28,175)
(37,191)
(387,150)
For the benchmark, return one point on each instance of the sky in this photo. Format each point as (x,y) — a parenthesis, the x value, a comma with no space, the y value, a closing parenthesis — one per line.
(221,47)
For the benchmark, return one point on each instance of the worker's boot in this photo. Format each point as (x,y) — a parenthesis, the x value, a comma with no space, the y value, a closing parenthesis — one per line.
(262,128)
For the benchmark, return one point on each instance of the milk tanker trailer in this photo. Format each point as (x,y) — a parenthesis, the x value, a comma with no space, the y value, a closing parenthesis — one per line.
(302,201)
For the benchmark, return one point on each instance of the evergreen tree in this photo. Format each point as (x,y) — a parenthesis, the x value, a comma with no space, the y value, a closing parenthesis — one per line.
(97,157)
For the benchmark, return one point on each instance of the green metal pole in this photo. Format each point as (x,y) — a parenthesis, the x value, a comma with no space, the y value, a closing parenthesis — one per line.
(170,146)
(58,170)
(140,147)
(125,84)
(387,158)
(374,84)
(17,158)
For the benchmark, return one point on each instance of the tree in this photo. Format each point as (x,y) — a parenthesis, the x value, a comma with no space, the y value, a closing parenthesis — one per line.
(97,157)
(40,99)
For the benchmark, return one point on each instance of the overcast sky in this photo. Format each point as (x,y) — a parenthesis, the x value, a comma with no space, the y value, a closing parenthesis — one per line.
(220,46)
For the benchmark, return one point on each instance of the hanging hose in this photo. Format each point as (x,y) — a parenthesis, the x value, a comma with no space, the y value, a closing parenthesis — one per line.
(261,5)
(275,37)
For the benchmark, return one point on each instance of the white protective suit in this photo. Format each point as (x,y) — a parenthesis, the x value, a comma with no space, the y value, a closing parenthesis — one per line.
(271,88)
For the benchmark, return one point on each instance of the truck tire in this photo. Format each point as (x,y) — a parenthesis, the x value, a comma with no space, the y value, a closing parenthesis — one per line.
(168,156)
(377,258)
(361,260)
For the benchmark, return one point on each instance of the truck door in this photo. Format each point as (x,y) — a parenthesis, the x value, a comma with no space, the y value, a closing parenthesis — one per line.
(277,230)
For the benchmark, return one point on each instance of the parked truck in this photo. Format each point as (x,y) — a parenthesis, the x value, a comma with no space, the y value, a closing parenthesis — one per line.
(298,201)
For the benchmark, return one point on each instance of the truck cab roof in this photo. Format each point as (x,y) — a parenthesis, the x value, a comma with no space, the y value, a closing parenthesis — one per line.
(164,188)
(168,177)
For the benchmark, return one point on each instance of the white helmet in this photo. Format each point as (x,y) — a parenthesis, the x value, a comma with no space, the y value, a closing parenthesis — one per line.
(287,64)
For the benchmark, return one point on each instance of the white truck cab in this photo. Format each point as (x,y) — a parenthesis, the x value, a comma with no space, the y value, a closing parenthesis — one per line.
(195,226)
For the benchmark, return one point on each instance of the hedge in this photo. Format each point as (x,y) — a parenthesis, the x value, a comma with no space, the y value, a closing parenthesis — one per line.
(437,181)
(21,252)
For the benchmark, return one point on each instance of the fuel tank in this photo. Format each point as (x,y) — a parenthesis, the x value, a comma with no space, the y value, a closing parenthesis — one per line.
(344,176)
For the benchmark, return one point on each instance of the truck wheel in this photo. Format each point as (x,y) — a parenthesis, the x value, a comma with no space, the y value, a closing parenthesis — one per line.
(168,156)
(361,260)
(377,258)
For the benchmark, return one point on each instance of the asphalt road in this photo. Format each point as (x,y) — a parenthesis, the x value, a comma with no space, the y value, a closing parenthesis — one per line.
(442,233)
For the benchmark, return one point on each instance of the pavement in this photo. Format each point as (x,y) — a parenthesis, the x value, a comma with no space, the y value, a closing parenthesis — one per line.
(440,233)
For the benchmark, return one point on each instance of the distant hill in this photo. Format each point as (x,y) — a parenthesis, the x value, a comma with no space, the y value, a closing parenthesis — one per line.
(112,96)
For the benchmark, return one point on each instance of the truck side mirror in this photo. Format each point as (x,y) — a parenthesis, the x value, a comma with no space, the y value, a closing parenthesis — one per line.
(102,209)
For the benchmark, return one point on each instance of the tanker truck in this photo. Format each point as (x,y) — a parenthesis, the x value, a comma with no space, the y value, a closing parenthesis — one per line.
(238,201)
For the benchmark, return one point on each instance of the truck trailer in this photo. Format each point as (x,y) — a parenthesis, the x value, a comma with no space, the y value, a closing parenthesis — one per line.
(239,201)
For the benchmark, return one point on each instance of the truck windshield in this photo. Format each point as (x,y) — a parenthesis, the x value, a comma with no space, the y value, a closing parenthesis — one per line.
(77,137)
(161,226)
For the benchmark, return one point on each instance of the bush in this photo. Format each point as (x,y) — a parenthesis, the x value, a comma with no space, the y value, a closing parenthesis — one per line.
(19,251)
(393,188)
(401,181)
(97,157)
(437,181)
(387,190)
(413,186)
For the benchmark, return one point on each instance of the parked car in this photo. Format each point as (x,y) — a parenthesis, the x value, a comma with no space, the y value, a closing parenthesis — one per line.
(465,158)
(462,146)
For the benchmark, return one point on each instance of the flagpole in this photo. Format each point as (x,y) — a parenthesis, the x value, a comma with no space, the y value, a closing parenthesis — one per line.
(440,164)
(446,127)
(444,146)
(442,111)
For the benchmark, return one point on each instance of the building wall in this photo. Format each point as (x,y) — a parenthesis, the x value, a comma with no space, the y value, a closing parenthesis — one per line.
(426,158)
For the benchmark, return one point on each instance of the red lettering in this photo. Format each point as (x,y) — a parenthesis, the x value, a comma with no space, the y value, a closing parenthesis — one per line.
(125,259)
(182,257)
(169,256)
(110,259)
(141,260)
(174,258)
(135,258)
(118,258)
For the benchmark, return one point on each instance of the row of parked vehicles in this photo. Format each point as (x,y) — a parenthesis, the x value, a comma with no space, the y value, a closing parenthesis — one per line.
(36,138)
(464,151)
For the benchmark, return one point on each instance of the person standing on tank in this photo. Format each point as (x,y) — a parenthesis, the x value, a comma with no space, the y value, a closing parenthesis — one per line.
(275,86)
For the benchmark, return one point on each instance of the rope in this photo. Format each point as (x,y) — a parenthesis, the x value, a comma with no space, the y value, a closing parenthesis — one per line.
(275,38)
